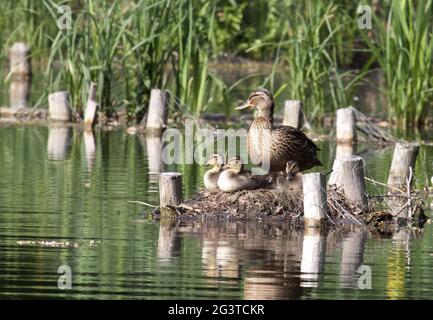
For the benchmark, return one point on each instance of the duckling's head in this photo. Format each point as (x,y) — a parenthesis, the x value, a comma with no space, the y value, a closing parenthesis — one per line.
(235,164)
(261,99)
(215,160)
(291,169)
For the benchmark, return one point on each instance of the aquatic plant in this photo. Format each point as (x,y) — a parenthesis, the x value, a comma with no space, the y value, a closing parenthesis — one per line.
(403,47)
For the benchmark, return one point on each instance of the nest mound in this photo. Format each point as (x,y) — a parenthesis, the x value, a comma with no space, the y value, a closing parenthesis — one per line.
(270,205)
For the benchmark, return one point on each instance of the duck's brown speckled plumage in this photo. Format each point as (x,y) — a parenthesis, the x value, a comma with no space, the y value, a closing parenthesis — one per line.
(286,143)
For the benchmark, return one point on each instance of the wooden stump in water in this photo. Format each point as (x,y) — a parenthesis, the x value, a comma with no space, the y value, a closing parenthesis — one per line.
(342,151)
(90,112)
(158,111)
(349,175)
(59,106)
(20,62)
(404,158)
(170,189)
(315,204)
(293,115)
(19,94)
(346,125)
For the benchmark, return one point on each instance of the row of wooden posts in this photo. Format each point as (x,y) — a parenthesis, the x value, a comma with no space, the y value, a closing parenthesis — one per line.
(348,169)
(59,105)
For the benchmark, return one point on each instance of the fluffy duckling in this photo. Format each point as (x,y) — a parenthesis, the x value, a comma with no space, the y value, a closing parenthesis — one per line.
(292,180)
(211,176)
(235,178)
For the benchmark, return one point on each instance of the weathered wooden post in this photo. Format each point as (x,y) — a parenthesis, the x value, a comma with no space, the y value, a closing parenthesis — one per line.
(346,125)
(158,111)
(293,114)
(170,189)
(90,112)
(342,150)
(313,257)
(59,106)
(19,94)
(20,61)
(315,203)
(404,158)
(350,177)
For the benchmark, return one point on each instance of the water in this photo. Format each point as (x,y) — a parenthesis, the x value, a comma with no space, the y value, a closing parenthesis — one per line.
(64,186)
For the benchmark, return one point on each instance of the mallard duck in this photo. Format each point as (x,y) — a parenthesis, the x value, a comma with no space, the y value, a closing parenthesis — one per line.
(235,178)
(284,144)
(211,176)
(291,180)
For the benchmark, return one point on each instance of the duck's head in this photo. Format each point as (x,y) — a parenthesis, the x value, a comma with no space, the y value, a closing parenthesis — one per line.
(235,164)
(215,160)
(261,99)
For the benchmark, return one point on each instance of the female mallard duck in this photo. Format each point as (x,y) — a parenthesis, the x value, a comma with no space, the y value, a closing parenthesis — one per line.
(284,144)
(291,181)
(235,178)
(211,176)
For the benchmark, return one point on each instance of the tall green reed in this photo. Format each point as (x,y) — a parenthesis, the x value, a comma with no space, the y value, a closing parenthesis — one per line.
(403,46)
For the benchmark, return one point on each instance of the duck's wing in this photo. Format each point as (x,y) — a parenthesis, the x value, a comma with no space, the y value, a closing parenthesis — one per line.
(289,143)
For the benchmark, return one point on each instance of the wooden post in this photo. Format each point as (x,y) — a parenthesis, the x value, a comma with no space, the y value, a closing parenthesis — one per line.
(19,94)
(20,62)
(342,151)
(350,177)
(293,114)
(313,257)
(346,125)
(170,189)
(404,158)
(59,106)
(90,112)
(158,110)
(315,205)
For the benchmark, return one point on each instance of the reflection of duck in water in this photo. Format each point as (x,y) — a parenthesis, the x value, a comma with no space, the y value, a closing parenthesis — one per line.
(235,178)
(211,176)
(286,143)
(292,181)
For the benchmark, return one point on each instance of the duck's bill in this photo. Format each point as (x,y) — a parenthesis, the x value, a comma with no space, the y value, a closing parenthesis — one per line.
(244,105)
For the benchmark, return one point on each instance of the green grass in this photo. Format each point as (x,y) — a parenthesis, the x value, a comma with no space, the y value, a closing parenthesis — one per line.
(130,47)
(403,47)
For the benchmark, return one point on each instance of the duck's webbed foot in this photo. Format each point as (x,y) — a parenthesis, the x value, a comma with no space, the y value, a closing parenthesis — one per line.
(291,169)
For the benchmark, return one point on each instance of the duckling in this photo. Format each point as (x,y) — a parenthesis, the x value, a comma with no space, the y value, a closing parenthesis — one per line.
(285,143)
(234,178)
(292,180)
(211,176)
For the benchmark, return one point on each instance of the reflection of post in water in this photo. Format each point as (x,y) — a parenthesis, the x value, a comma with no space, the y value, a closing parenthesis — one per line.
(352,257)
(58,142)
(89,148)
(169,242)
(19,93)
(313,257)
(398,262)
